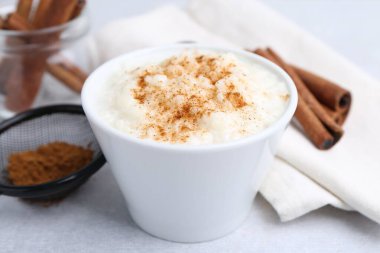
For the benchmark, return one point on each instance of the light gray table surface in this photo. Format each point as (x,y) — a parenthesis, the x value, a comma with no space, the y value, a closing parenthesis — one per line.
(95,219)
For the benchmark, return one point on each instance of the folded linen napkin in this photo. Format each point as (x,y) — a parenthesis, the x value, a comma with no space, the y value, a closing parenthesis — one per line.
(351,170)
(302,178)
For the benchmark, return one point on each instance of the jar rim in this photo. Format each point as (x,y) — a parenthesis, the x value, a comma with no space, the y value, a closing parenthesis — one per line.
(71,31)
(47,30)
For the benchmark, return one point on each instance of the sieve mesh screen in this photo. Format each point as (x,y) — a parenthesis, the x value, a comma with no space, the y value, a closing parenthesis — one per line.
(59,126)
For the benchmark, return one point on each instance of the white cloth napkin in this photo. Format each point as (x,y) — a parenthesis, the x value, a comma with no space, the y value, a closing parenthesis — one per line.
(351,170)
(303,178)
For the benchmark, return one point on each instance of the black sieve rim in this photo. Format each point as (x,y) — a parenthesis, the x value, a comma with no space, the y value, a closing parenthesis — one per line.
(97,162)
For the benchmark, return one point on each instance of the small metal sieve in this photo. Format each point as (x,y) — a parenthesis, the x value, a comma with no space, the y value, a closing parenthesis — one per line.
(30,129)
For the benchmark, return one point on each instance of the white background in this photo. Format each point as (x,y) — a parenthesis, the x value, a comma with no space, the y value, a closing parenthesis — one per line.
(94,219)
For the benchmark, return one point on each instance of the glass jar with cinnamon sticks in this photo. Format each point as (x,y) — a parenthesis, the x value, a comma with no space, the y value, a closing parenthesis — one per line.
(40,46)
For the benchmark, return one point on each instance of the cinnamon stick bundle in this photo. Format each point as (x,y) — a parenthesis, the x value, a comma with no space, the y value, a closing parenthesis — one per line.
(320,123)
(65,71)
(22,84)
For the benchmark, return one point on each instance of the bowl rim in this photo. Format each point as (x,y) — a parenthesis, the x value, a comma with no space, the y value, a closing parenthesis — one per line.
(97,162)
(108,68)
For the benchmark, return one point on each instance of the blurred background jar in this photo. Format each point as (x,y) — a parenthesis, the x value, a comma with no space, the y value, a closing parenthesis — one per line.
(40,66)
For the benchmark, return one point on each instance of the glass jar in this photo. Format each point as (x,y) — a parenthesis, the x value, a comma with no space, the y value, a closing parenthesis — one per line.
(33,63)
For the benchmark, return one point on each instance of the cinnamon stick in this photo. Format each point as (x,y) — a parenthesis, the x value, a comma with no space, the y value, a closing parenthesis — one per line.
(335,115)
(19,85)
(15,21)
(327,92)
(24,80)
(59,12)
(39,19)
(65,71)
(24,7)
(68,73)
(12,20)
(66,76)
(339,116)
(78,72)
(313,127)
(2,21)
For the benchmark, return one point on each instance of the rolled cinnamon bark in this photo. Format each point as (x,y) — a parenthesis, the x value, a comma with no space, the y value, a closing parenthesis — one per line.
(74,69)
(24,7)
(66,76)
(23,10)
(333,114)
(339,116)
(327,92)
(16,22)
(59,12)
(24,80)
(2,21)
(8,62)
(313,127)
(68,73)
(39,19)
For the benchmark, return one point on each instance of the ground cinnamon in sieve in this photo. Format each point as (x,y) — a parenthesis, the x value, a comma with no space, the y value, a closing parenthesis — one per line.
(48,162)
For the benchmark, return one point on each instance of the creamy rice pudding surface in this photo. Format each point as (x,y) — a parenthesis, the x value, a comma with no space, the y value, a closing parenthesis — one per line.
(196,97)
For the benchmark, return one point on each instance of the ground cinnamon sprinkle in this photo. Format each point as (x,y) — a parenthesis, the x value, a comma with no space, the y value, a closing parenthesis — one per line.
(47,163)
(182,90)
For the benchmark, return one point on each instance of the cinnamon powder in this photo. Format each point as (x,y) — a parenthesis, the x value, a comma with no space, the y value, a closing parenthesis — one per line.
(182,90)
(47,163)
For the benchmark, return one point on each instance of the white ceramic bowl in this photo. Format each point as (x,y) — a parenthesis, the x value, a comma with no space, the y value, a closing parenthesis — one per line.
(185,193)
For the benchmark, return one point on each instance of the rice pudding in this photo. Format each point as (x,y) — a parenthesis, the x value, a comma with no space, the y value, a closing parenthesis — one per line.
(195,97)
